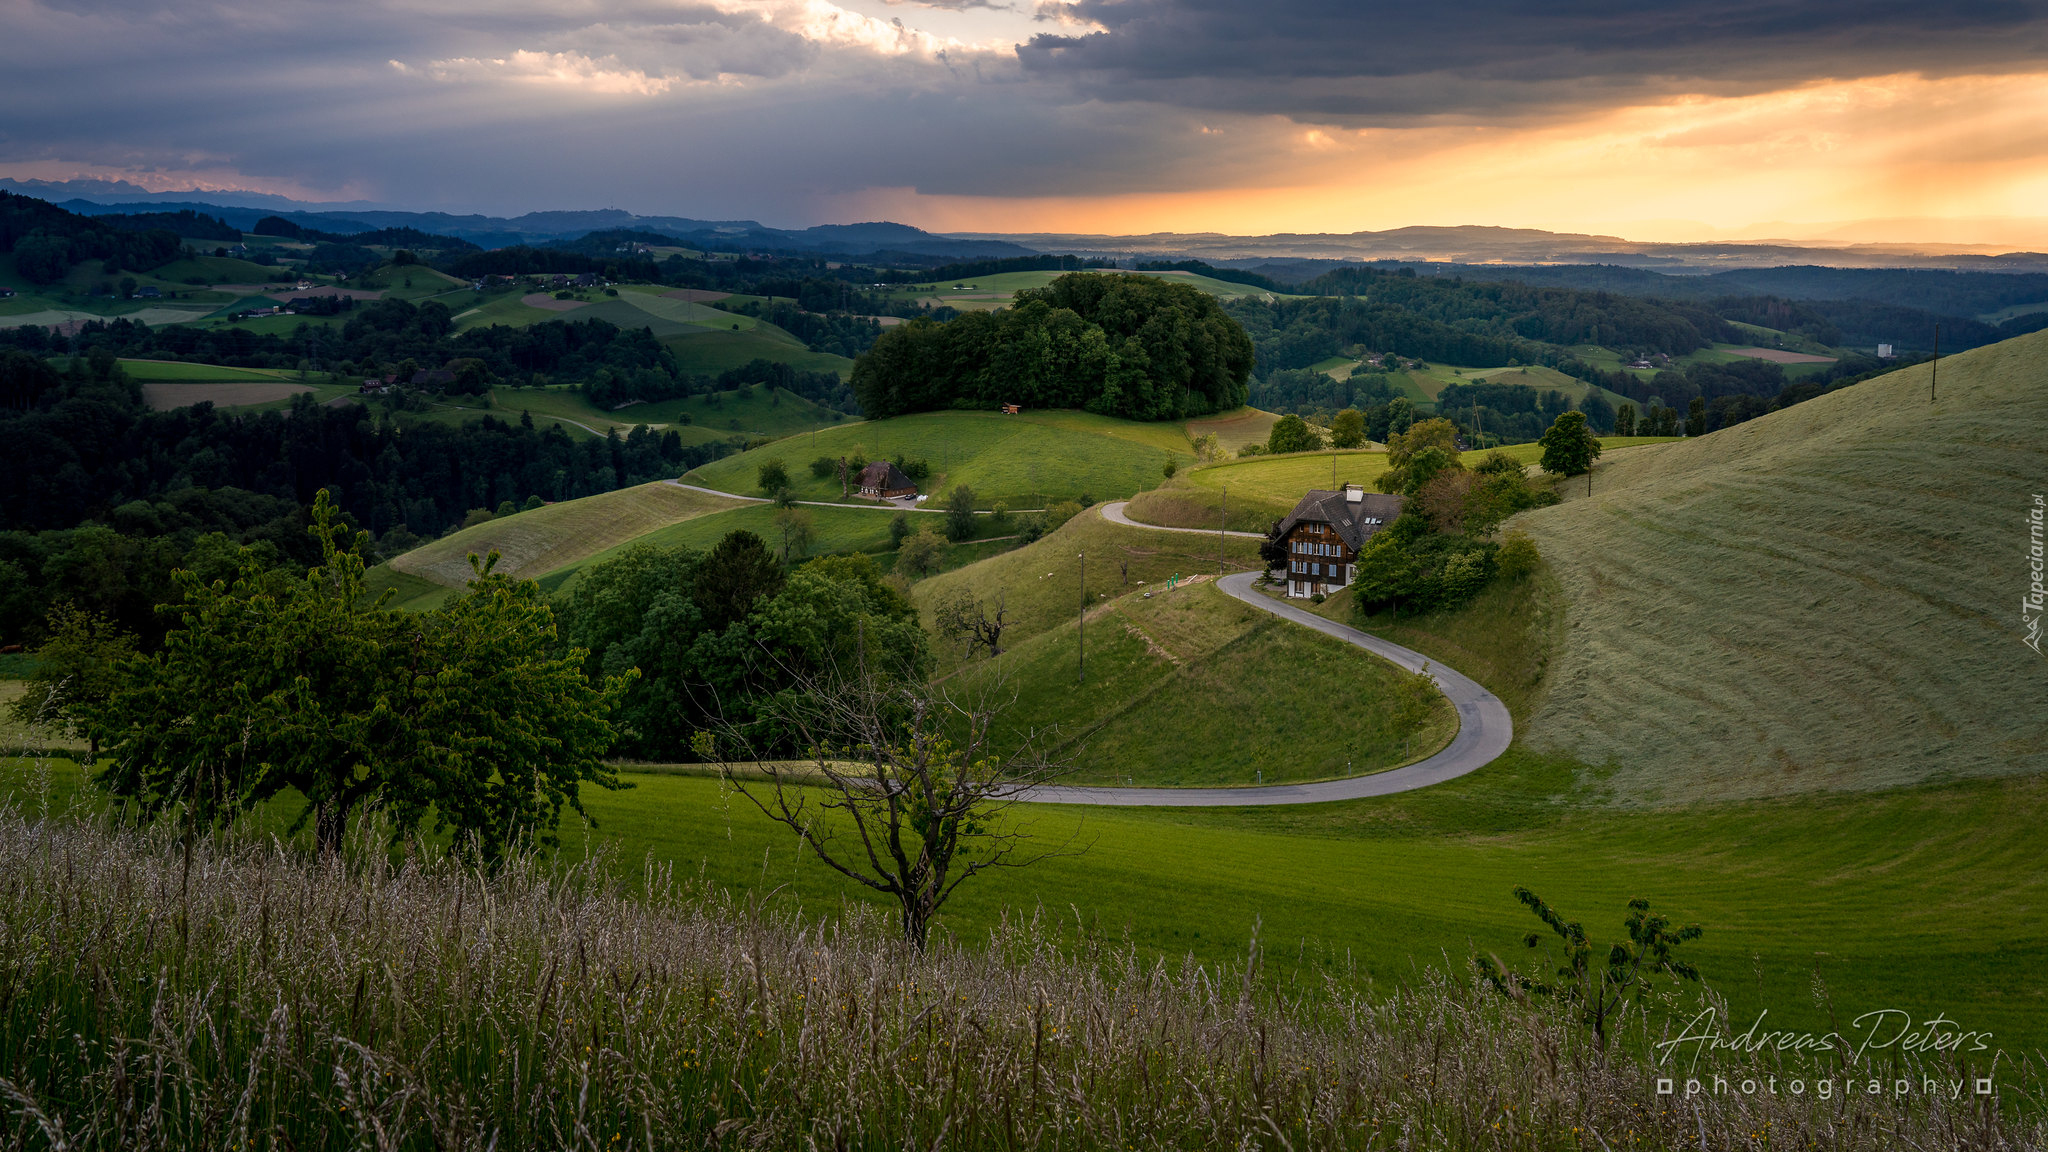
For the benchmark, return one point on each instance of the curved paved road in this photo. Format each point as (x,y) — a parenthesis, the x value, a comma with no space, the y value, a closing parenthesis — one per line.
(1114,513)
(1484,730)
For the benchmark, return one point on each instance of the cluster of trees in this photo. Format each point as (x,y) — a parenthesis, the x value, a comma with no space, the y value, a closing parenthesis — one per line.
(184,222)
(1515,413)
(47,240)
(82,443)
(1438,553)
(272,681)
(1306,390)
(1129,346)
(722,639)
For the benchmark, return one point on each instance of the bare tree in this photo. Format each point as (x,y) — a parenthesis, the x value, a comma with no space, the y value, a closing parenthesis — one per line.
(904,791)
(962,616)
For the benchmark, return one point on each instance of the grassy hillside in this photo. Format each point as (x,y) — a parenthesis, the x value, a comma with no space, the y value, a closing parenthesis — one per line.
(705,340)
(1019,460)
(1042,584)
(712,416)
(559,535)
(1193,688)
(1823,598)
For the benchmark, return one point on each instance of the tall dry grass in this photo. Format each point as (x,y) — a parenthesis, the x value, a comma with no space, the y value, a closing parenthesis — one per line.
(236,994)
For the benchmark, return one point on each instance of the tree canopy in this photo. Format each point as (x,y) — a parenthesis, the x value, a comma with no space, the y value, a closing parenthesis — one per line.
(1131,346)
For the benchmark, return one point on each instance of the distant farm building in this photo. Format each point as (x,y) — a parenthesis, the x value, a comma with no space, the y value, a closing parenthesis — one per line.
(1325,532)
(884,480)
(1012,409)
(148,292)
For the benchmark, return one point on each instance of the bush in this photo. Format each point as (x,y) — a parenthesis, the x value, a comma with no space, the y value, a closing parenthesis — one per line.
(772,477)
(824,467)
(921,554)
(1168,469)
(1517,556)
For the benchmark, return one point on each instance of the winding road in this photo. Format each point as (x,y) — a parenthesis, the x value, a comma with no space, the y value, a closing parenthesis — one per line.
(1484,727)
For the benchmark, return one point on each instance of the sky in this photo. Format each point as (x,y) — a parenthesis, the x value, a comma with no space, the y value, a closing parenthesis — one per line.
(1682,119)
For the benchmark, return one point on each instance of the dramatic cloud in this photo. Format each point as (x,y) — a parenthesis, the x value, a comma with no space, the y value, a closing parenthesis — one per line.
(1382,62)
(987,115)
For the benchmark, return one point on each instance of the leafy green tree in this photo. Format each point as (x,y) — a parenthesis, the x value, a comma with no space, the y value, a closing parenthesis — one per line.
(771,477)
(1347,429)
(75,673)
(1419,455)
(1292,434)
(920,554)
(824,467)
(1696,416)
(1625,420)
(1569,447)
(795,528)
(273,684)
(42,258)
(739,572)
(960,513)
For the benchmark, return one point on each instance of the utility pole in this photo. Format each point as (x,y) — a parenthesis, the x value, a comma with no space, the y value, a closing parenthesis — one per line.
(1081,626)
(1934,368)
(1223,530)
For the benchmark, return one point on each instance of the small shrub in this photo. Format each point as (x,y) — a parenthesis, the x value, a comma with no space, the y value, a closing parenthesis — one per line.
(1169,468)
(1518,556)
(823,467)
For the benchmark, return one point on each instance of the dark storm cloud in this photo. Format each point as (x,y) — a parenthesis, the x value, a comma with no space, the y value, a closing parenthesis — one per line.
(1389,62)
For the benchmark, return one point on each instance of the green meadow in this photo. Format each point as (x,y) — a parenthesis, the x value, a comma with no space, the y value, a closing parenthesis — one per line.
(1022,461)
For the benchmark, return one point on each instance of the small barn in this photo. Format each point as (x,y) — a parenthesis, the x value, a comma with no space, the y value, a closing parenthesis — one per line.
(1325,531)
(885,481)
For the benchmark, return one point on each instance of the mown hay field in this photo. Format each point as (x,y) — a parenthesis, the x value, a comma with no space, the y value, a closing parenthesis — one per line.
(559,535)
(1827,597)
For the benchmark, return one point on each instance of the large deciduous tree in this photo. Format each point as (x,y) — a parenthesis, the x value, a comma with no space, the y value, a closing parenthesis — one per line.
(1569,447)
(272,684)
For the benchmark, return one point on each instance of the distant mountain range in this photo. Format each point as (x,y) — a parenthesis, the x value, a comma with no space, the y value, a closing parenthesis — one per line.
(1289,256)
(243,209)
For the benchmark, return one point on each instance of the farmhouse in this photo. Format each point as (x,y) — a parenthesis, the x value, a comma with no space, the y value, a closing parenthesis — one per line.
(885,481)
(1324,533)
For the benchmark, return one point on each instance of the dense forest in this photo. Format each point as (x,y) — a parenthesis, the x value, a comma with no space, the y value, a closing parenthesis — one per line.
(1130,346)
(84,450)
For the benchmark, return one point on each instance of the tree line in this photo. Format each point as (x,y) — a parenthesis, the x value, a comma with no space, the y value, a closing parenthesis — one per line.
(1129,346)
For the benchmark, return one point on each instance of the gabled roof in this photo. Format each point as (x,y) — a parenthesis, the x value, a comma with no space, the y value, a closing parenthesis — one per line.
(1355,520)
(884,475)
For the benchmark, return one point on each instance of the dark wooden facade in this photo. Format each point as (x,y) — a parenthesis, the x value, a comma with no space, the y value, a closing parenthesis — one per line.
(1324,534)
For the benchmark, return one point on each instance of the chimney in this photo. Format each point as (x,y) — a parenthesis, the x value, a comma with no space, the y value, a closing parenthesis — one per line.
(1354,494)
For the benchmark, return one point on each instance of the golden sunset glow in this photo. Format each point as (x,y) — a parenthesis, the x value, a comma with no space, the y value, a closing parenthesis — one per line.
(1963,148)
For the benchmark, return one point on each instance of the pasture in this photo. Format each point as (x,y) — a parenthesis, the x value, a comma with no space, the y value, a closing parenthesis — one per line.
(1022,461)
(1821,599)
(556,536)
(1167,700)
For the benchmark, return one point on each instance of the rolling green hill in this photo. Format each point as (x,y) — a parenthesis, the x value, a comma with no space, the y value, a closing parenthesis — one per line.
(559,535)
(1018,460)
(1167,700)
(1827,597)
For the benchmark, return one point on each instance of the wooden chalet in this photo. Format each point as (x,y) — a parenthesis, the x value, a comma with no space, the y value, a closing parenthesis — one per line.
(883,480)
(1325,532)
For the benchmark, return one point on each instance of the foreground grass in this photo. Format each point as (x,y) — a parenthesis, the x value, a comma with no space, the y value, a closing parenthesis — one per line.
(238,994)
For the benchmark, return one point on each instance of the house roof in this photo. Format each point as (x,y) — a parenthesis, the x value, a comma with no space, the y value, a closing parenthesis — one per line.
(1355,520)
(884,475)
